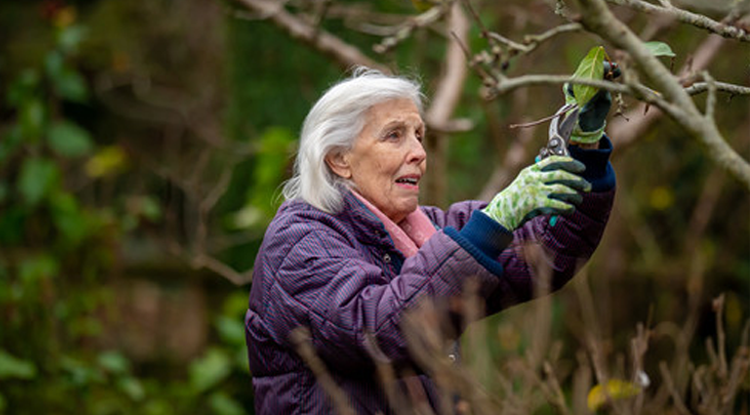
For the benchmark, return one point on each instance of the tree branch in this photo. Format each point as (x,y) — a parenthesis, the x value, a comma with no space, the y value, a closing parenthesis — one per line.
(600,20)
(697,20)
(445,100)
(626,132)
(344,53)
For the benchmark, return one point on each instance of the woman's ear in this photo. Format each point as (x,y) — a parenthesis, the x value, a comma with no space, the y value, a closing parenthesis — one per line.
(339,164)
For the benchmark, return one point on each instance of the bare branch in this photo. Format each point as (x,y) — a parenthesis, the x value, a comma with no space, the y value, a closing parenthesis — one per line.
(627,132)
(698,20)
(406,29)
(701,87)
(345,54)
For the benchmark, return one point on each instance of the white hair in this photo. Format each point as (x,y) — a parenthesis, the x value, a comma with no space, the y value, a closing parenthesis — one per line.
(332,125)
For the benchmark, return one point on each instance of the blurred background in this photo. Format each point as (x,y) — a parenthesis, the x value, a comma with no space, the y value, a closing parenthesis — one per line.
(142,145)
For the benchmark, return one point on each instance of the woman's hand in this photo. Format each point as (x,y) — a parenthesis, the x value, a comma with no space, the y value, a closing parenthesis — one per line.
(550,186)
(593,116)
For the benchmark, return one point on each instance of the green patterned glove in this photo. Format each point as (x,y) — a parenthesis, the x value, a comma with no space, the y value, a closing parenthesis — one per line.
(593,116)
(550,186)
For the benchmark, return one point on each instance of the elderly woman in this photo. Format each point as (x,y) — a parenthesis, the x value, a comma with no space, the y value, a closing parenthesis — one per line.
(351,249)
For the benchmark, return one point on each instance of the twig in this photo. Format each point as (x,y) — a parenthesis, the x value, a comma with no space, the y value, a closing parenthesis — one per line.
(533,123)
(669,383)
(701,87)
(718,306)
(404,30)
(202,260)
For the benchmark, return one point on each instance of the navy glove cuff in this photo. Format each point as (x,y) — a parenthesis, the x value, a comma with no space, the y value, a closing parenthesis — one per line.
(599,171)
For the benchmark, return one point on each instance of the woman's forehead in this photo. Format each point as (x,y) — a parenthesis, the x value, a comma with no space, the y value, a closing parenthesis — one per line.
(395,110)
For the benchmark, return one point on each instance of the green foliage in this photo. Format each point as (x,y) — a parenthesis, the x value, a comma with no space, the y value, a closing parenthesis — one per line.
(590,67)
(659,49)
(12,367)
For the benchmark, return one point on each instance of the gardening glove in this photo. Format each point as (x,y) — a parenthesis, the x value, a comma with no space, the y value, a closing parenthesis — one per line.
(549,186)
(593,115)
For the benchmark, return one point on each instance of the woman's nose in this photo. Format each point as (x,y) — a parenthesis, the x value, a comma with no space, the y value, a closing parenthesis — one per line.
(417,153)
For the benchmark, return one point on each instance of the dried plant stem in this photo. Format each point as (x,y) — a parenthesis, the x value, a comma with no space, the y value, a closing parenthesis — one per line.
(669,383)
(300,337)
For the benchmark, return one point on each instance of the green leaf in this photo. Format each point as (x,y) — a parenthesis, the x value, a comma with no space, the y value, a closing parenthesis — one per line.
(12,367)
(209,370)
(69,140)
(591,67)
(38,176)
(107,161)
(231,330)
(10,142)
(659,49)
(22,88)
(32,119)
(132,387)
(70,38)
(37,267)
(54,64)
(69,218)
(70,85)
(114,362)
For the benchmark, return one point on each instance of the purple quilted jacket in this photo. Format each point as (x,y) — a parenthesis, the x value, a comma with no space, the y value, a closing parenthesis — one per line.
(341,276)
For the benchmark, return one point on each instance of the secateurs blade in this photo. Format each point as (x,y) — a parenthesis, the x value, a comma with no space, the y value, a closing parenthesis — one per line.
(560,129)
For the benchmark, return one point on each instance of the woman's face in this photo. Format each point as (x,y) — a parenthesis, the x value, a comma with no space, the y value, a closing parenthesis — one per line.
(388,160)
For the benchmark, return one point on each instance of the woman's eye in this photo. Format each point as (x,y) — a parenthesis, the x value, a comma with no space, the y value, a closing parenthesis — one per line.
(393,135)
(419,134)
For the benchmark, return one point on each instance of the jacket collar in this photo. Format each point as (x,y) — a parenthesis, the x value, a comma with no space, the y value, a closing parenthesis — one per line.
(366,225)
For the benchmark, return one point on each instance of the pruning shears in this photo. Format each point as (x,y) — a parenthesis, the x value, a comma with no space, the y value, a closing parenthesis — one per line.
(560,129)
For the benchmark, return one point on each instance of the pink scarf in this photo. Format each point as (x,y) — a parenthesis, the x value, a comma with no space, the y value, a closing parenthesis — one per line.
(409,234)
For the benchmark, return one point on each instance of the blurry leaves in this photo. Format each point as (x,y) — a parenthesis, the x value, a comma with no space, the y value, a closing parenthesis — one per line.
(69,140)
(591,67)
(209,370)
(269,171)
(107,161)
(276,145)
(661,198)
(231,330)
(70,219)
(12,367)
(31,118)
(114,362)
(222,404)
(614,389)
(132,387)
(80,373)
(38,176)
(659,49)
(37,267)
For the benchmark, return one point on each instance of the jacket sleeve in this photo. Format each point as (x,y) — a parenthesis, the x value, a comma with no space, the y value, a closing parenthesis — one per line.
(566,242)
(340,293)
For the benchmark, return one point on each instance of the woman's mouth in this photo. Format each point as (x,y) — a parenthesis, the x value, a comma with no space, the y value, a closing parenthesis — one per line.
(409,182)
